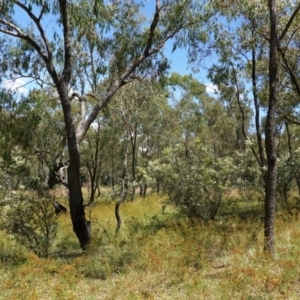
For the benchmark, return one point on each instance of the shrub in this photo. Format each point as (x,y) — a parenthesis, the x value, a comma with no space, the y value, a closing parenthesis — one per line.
(198,185)
(30,218)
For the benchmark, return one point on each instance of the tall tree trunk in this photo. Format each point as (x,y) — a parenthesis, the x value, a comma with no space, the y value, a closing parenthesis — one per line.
(80,224)
(256,103)
(269,242)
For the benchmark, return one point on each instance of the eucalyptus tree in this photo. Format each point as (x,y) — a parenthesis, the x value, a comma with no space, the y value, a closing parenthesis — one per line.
(270,142)
(187,108)
(156,132)
(75,45)
(128,116)
(247,44)
(136,105)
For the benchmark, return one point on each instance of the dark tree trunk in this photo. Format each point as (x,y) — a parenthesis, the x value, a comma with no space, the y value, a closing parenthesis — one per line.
(298,184)
(80,224)
(269,243)
(133,136)
(157,185)
(143,189)
(124,189)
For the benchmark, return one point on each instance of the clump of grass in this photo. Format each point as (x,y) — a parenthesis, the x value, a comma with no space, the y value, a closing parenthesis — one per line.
(103,262)
(11,254)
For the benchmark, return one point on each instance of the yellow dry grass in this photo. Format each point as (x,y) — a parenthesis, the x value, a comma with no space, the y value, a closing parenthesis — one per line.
(157,255)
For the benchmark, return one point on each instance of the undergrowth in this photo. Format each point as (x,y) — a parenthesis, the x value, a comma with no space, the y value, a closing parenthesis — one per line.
(158,254)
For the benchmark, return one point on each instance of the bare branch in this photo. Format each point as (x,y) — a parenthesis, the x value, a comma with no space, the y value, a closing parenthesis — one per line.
(33,78)
(293,121)
(291,37)
(60,174)
(152,28)
(290,71)
(38,25)
(289,23)
(64,183)
(256,101)
(41,13)
(20,34)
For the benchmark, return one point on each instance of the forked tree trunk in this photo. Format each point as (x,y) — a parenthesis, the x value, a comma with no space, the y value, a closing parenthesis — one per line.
(269,242)
(80,224)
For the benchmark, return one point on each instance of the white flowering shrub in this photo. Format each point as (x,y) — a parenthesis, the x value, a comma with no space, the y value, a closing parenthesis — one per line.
(197,185)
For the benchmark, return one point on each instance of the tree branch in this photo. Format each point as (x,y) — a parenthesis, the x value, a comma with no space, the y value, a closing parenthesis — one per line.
(20,34)
(290,71)
(15,31)
(82,100)
(38,25)
(66,75)
(296,122)
(289,23)
(38,80)
(152,28)
(41,13)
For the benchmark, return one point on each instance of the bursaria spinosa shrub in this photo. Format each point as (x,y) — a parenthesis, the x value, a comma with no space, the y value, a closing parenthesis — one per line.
(197,185)
(30,218)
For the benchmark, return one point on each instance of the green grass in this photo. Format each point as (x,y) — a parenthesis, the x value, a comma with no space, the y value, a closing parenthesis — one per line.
(157,255)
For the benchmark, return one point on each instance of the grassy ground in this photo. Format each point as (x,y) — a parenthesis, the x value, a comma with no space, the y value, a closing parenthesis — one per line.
(157,255)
